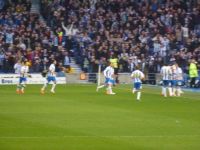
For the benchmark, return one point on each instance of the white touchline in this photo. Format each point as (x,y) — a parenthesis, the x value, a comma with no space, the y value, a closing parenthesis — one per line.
(106,136)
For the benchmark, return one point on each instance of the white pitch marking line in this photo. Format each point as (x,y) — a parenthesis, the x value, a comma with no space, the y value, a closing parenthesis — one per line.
(136,136)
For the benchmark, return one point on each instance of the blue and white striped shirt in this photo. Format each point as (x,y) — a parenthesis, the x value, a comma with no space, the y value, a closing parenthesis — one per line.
(137,76)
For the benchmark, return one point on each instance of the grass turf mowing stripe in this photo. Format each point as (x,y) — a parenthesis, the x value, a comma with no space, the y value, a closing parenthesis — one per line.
(106,136)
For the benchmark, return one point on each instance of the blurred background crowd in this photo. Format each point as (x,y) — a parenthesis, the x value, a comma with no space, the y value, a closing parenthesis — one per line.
(129,33)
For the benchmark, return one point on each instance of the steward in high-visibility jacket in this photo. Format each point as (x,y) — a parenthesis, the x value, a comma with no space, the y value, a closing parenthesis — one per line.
(193,73)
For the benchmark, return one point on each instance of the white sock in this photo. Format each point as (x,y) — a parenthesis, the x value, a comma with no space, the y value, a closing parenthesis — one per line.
(178,91)
(101,86)
(163,88)
(44,86)
(165,91)
(18,87)
(53,87)
(174,91)
(138,95)
(108,90)
(22,87)
(133,91)
(170,91)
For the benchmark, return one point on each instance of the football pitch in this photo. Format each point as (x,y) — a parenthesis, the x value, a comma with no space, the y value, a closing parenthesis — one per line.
(79,118)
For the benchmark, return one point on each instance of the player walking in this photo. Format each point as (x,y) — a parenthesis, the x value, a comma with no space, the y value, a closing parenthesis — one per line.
(51,77)
(137,77)
(109,79)
(166,74)
(179,80)
(24,69)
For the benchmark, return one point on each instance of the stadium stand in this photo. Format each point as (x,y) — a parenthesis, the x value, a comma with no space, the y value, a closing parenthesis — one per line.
(145,32)
(24,35)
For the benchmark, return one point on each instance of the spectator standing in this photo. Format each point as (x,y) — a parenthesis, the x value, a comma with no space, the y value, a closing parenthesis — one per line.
(193,73)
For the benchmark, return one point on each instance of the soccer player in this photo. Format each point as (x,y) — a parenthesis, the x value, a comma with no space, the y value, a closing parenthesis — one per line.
(24,69)
(17,67)
(137,77)
(174,79)
(51,77)
(179,78)
(166,76)
(109,80)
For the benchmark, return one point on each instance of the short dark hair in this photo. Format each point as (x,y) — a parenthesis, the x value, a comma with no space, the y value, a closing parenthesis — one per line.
(137,67)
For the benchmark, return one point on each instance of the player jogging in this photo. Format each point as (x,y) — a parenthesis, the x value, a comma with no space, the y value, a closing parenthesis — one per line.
(24,69)
(166,77)
(179,80)
(137,77)
(51,77)
(174,79)
(109,80)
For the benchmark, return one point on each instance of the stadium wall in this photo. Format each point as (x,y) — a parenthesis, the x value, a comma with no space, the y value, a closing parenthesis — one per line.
(6,79)
(69,78)
(124,78)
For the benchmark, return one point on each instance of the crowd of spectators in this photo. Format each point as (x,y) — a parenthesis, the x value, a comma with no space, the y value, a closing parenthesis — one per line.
(136,32)
(23,36)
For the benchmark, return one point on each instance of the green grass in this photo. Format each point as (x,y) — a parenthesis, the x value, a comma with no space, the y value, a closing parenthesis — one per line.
(78,118)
